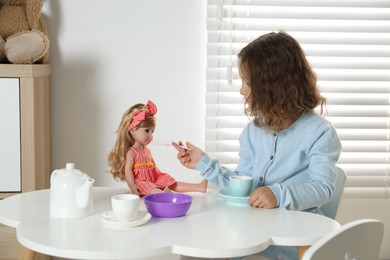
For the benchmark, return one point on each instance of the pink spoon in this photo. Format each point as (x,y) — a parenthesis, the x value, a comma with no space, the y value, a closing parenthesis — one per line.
(167,144)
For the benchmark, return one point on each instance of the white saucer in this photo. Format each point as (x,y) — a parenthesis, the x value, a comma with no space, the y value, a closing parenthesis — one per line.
(230,199)
(109,218)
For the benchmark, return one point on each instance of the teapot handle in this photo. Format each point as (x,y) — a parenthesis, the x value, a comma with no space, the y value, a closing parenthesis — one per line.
(55,173)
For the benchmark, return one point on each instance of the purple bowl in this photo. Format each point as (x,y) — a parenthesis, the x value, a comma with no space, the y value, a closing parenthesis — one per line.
(168,205)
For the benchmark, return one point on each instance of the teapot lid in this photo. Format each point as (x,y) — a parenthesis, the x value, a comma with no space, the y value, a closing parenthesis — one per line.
(70,168)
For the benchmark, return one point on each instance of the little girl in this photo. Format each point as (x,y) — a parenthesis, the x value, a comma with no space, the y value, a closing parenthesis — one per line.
(132,161)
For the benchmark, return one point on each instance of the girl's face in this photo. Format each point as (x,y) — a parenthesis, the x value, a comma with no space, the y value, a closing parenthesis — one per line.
(245,81)
(143,135)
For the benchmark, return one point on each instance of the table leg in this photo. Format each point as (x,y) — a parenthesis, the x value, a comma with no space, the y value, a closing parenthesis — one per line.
(301,250)
(26,254)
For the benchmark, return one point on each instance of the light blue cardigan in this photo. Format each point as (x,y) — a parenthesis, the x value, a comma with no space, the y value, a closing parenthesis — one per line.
(298,163)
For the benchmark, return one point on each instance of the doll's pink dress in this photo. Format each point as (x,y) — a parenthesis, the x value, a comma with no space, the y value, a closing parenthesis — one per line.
(146,175)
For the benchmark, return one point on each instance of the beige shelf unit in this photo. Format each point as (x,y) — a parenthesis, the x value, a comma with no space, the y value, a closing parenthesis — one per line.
(34,107)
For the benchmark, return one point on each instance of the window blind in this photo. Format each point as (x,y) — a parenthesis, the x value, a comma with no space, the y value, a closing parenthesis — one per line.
(348,44)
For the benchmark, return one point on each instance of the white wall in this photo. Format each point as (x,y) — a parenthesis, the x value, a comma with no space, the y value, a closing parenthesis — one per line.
(108,55)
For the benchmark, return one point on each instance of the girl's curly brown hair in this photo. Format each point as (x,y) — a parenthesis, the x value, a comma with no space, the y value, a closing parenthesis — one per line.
(283,84)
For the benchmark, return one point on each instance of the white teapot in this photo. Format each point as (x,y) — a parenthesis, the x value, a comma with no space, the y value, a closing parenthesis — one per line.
(70,193)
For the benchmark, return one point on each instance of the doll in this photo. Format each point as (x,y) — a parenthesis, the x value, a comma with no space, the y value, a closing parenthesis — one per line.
(131,161)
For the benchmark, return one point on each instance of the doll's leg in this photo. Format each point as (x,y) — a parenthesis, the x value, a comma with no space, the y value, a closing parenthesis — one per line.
(187,187)
(167,189)
(156,190)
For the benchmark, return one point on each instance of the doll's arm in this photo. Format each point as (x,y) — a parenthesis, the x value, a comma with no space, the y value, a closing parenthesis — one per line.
(155,166)
(129,172)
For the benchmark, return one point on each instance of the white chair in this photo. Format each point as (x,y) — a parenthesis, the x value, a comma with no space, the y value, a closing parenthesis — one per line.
(356,240)
(330,207)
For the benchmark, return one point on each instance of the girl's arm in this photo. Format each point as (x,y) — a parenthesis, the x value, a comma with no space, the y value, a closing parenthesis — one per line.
(323,155)
(213,171)
(129,172)
(210,169)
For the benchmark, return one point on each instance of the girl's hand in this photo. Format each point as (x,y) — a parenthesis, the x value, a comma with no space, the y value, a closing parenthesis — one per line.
(134,188)
(188,157)
(263,197)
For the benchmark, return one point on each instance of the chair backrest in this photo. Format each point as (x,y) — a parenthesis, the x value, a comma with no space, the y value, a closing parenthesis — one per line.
(330,207)
(356,240)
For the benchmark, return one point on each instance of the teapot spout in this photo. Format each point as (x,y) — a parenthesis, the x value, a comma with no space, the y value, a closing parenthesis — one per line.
(84,194)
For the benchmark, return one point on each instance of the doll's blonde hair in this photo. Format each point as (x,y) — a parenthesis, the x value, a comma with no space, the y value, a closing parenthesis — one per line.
(125,140)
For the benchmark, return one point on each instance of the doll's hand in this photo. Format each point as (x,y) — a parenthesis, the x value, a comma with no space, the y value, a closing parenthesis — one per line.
(263,197)
(134,188)
(188,157)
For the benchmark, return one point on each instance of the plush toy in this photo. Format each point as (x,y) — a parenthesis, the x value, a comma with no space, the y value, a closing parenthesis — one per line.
(23,34)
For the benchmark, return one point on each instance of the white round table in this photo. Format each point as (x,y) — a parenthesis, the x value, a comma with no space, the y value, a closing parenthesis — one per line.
(212,228)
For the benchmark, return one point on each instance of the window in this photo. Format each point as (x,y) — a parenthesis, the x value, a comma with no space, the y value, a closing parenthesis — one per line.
(348,44)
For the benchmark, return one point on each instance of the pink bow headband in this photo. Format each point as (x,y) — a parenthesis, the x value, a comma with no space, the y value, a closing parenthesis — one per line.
(141,115)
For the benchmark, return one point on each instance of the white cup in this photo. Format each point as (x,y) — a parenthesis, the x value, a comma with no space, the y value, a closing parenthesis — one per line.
(125,206)
(240,186)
